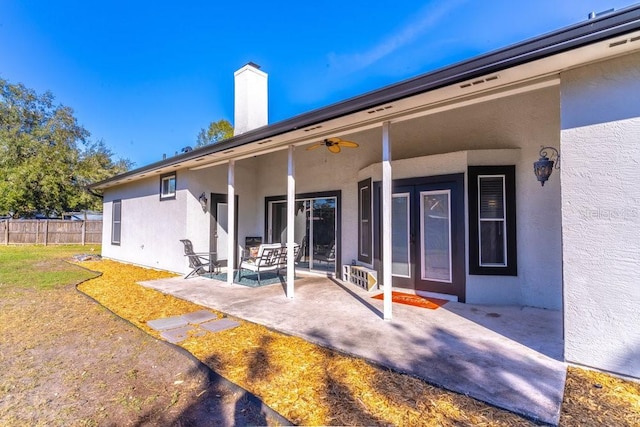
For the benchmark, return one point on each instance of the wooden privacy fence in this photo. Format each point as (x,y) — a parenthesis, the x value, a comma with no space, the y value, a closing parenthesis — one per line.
(50,232)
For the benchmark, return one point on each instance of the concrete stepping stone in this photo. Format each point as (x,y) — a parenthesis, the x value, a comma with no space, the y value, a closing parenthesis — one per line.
(180,334)
(167,323)
(198,317)
(219,325)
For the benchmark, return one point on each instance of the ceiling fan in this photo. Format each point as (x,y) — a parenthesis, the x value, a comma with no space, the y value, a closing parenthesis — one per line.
(333,144)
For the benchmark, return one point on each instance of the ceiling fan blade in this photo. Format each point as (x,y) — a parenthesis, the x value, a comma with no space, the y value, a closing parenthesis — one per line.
(334,148)
(349,144)
(314,146)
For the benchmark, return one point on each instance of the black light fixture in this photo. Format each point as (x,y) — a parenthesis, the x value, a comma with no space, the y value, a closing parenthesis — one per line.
(203,201)
(544,166)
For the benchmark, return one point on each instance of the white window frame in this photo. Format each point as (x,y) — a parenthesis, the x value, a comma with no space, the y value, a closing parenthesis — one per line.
(167,178)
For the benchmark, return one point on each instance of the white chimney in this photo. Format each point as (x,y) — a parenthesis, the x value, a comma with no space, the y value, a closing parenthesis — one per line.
(251,100)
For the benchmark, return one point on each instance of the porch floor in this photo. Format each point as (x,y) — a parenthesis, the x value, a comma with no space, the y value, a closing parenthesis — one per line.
(510,357)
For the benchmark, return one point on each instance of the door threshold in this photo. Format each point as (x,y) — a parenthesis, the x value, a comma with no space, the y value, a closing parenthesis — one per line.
(447,297)
(426,294)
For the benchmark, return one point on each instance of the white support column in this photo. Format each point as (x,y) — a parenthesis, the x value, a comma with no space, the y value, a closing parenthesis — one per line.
(231,221)
(387,200)
(291,220)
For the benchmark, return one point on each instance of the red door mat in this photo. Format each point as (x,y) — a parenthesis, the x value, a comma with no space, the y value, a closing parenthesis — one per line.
(417,300)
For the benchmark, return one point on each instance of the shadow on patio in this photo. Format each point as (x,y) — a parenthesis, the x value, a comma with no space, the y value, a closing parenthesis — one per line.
(509,357)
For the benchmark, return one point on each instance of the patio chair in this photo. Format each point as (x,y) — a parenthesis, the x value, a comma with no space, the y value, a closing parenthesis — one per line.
(201,262)
(270,257)
(329,256)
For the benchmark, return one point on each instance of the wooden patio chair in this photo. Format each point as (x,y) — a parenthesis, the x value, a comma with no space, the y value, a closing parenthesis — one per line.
(199,262)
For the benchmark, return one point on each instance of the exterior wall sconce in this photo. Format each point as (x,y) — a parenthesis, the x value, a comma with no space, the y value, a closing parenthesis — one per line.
(203,201)
(544,166)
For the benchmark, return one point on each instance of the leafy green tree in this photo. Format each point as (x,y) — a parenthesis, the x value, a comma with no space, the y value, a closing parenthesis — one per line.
(46,159)
(216,132)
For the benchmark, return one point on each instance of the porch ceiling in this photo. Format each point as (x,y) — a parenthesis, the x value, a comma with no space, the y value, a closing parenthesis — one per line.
(493,85)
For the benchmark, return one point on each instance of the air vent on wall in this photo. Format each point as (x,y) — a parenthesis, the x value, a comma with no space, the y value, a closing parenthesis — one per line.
(313,128)
(377,110)
(478,82)
(264,142)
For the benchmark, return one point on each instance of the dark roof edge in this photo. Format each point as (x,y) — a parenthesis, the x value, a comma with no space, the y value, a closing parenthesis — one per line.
(591,31)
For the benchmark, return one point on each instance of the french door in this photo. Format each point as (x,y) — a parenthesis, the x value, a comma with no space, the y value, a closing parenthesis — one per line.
(428,234)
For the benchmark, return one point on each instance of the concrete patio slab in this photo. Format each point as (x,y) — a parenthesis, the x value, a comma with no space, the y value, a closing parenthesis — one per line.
(219,325)
(198,317)
(180,334)
(167,323)
(510,357)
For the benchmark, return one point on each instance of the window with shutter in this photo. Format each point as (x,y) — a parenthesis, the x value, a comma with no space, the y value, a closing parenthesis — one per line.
(116,220)
(364,221)
(492,230)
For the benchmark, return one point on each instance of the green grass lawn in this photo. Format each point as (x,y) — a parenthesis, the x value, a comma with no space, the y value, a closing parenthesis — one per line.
(42,267)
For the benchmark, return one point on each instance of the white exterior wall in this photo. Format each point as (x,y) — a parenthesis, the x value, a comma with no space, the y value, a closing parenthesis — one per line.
(214,180)
(152,229)
(600,153)
(146,239)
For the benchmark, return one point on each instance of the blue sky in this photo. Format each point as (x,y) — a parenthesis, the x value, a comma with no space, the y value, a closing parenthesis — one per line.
(147,76)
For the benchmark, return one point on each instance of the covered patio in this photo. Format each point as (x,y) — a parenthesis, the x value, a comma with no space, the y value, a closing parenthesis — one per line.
(508,356)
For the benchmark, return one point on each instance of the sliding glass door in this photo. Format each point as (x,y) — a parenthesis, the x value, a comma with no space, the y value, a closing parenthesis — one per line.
(315,227)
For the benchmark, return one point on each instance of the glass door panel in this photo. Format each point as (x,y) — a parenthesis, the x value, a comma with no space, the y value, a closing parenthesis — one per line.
(222,237)
(278,222)
(435,232)
(401,235)
(315,231)
(322,230)
(301,231)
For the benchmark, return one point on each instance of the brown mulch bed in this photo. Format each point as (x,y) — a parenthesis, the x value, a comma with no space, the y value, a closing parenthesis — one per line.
(312,385)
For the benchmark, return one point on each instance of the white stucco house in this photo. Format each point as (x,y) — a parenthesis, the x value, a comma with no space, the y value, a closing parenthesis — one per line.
(440,196)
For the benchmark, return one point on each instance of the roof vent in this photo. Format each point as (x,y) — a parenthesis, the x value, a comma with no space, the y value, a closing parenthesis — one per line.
(625,41)
(594,15)
(478,82)
(377,110)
